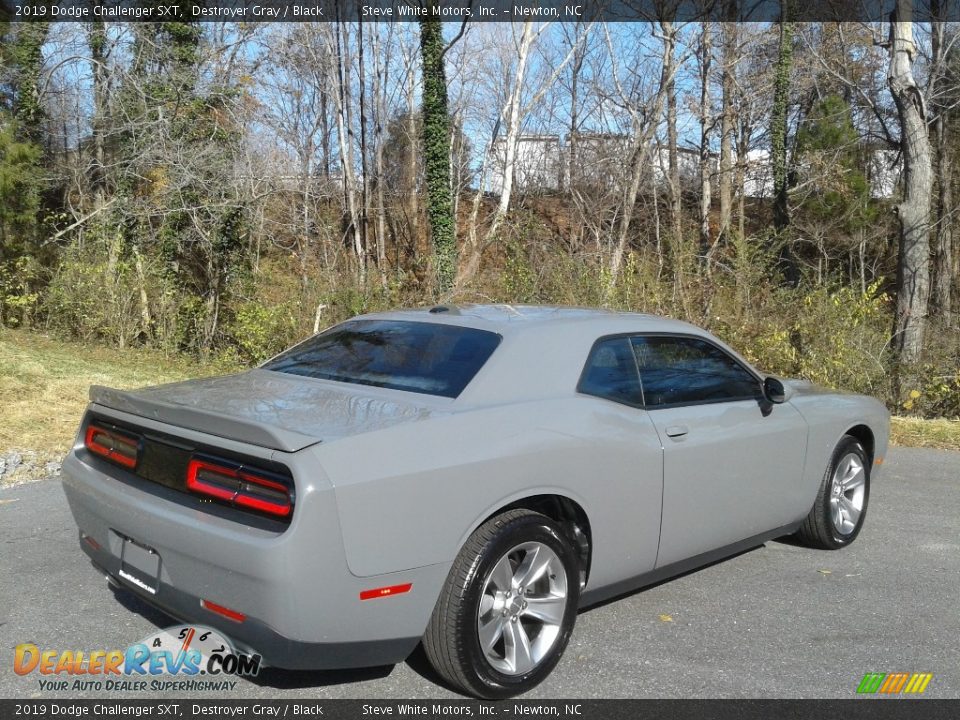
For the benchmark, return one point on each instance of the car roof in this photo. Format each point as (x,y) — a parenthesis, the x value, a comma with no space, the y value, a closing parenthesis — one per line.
(506,319)
(544,348)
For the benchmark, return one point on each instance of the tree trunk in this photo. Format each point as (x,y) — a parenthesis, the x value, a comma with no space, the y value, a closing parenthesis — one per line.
(778,142)
(325,132)
(418,242)
(345,135)
(457,185)
(512,134)
(512,115)
(97,38)
(743,149)
(145,318)
(730,32)
(364,153)
(913,213)
(941,305)
(570,171)
(380,81)
(637,163)
(706,127)
(945,243)
(673,161)
(436,154)
(473,246)
(642,133)
(306,180)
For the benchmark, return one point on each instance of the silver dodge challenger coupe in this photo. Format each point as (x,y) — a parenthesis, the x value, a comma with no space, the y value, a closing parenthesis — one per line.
(466,476)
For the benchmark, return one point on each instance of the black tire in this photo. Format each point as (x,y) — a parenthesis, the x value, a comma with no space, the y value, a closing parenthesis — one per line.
(452,641)
(818,529)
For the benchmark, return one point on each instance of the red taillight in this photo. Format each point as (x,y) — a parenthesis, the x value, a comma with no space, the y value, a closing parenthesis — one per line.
(241,486)
(221,610)
(112,445)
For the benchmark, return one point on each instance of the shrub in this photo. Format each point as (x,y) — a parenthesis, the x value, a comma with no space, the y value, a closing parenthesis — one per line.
(261,331)
(88,300)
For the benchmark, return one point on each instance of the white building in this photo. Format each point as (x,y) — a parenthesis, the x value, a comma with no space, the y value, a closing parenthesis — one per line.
(538,164)
(602,159)
(882,172)
(543,164)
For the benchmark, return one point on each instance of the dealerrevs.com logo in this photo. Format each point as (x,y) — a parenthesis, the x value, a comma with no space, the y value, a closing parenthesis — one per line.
(182,657)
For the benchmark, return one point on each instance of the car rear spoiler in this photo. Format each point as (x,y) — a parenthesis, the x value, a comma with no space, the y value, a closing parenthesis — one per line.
(192,418)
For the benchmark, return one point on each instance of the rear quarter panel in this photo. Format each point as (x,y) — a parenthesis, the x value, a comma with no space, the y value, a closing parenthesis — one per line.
(410,496)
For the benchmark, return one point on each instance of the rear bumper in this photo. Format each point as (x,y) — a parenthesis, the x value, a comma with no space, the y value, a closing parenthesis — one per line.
(255,636)
(302,604)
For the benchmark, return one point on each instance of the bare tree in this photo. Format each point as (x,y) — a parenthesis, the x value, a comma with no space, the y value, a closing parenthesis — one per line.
(778,141)
(913,212)
(345,134)
(675,192)
(943,273)
(295,78)
(706,128)
(730,34)
(515,110)
(644,116)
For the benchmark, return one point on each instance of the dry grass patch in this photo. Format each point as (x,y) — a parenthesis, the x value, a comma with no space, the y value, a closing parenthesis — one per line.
(44,385)
(917,432)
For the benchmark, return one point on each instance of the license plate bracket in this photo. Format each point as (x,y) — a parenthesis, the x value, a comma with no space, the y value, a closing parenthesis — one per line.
(140,565)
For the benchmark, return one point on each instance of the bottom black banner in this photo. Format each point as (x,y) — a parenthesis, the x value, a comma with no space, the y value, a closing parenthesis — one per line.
(854,709)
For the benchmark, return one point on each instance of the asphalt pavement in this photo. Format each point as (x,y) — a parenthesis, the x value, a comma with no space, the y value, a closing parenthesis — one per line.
(781,621)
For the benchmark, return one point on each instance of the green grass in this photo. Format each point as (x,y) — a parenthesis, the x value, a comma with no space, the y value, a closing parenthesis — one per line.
(44,384)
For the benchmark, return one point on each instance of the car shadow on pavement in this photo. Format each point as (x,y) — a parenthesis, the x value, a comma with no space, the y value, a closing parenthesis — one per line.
(792,540)
(664,581)
(278,679)
(420,664)
(275,678)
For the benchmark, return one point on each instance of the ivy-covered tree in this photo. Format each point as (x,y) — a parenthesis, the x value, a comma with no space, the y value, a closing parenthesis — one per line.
(22,174)
(23,56)
(436,154)
(20,183)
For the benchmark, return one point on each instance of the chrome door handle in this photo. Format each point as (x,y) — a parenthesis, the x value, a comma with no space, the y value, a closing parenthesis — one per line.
(676,431)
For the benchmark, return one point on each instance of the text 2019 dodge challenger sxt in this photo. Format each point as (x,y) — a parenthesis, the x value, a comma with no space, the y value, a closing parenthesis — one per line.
(467,477)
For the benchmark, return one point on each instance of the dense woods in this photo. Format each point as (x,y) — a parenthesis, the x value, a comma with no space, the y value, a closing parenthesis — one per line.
(227,188)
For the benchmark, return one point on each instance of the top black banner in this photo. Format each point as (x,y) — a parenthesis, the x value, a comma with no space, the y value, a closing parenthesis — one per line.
(476,10)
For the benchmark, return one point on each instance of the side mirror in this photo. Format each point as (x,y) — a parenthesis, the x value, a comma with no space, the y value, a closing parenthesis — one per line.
(774,390)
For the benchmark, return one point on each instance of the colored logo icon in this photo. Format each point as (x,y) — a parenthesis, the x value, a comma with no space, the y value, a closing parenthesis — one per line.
(894,683)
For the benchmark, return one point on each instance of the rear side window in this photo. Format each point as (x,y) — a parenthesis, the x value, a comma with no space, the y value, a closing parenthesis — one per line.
(611,372)
(428,358)
(681,370)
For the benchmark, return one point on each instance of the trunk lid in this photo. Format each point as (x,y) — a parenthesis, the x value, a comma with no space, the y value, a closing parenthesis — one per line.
(270,409)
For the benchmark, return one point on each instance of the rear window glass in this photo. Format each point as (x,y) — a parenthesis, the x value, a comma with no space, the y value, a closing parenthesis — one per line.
(418,357)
